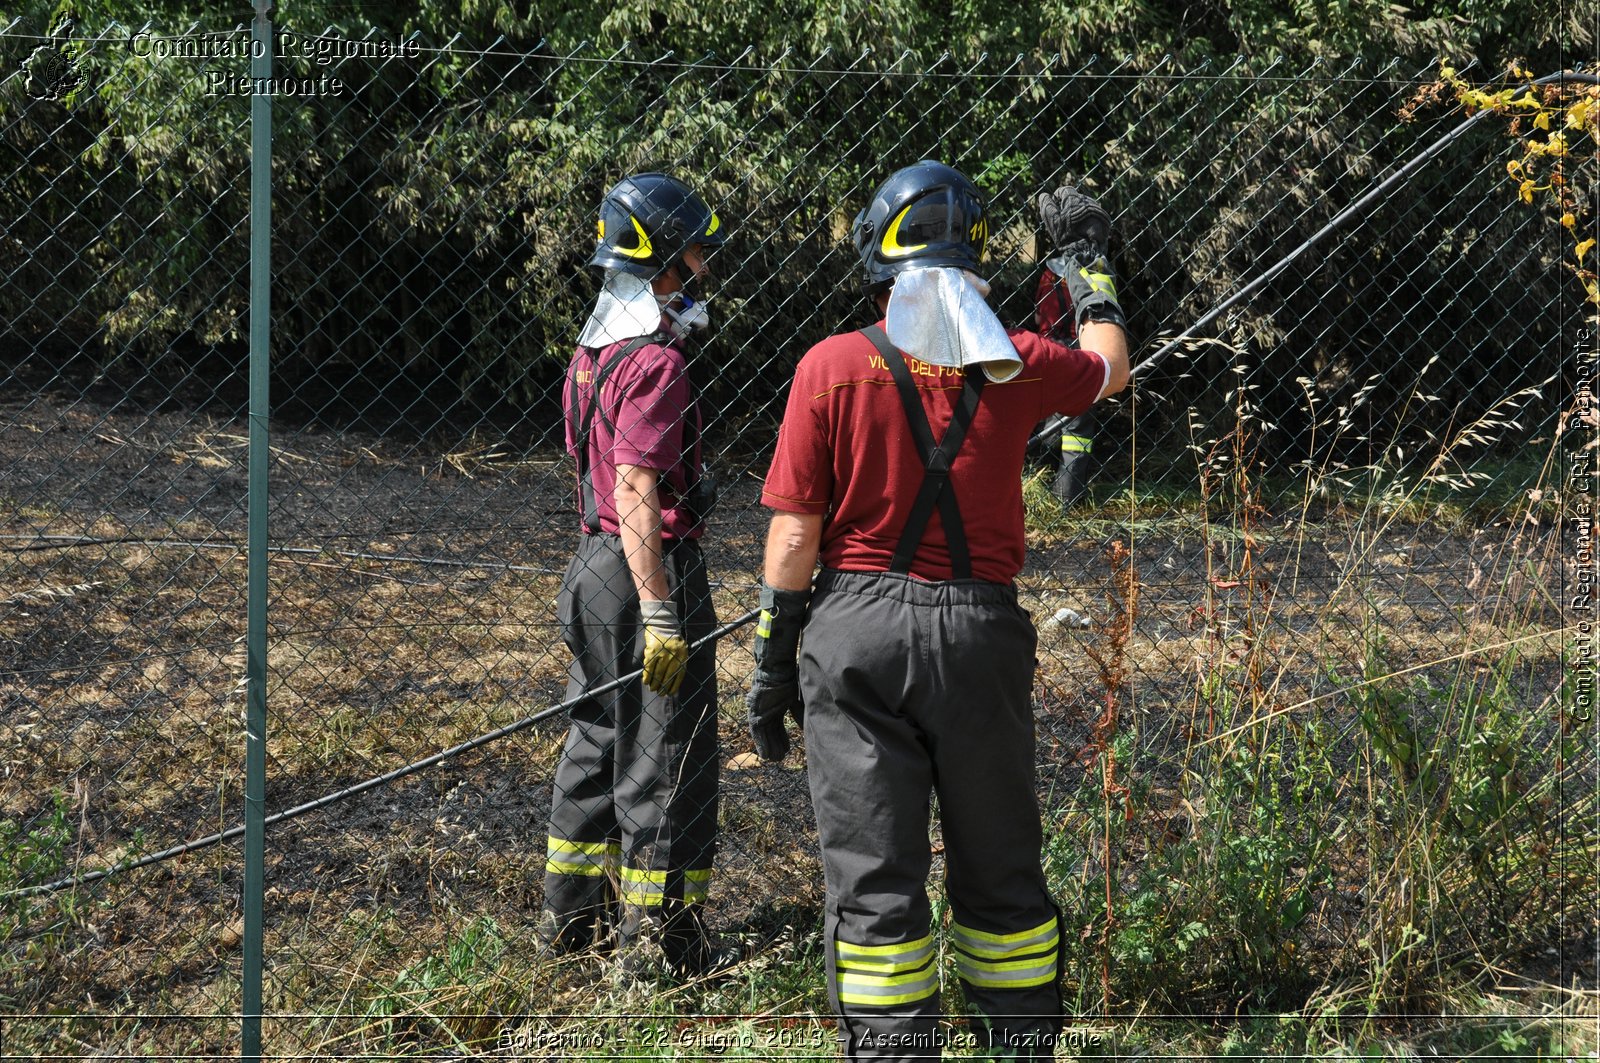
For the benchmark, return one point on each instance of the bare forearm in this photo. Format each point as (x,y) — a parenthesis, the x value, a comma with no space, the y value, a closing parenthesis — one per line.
(1110,342)
(793,541)
(639,526)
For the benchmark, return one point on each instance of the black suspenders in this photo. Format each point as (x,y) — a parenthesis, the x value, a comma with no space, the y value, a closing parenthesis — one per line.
(582,422)
(936,460)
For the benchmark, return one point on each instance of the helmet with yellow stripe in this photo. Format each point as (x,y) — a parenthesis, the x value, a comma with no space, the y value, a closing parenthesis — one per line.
(923,216)
(648,221)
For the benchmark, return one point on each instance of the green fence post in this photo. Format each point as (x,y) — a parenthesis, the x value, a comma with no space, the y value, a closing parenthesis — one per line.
(255,757)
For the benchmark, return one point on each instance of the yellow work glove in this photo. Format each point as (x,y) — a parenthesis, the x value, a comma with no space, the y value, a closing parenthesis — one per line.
(666,652)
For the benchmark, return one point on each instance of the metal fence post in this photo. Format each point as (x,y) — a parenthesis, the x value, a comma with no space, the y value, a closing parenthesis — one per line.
(256,631)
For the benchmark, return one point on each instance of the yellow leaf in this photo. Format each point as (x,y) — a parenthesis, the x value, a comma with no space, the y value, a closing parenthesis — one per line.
(1578,113)
(1541,120)
(1525,193)
(1485,100)
(1568,221)
(1583,249)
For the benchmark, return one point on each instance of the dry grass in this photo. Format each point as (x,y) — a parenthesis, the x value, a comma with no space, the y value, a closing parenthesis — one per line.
(404,914)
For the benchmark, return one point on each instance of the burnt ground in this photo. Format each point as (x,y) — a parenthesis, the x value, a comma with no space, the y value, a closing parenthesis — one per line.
(411,588)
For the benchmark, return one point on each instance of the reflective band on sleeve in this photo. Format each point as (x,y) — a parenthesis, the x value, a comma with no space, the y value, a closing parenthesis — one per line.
(565,857)
(764,625)
(1076,444)
(1007,961)
(1100,282)
(886,975)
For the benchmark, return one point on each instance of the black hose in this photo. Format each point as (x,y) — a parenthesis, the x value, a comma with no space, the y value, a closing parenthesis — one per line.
(362,787)
(727,629)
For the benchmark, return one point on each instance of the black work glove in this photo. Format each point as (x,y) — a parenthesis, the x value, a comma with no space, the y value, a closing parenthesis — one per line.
(1080,233)
(775,686)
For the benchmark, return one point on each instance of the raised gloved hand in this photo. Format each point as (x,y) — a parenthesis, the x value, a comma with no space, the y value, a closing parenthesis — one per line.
(775,686)
(1080,232)
(666,652)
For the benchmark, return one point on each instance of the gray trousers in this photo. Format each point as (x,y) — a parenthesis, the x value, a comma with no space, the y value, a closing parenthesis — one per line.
(914,689)
(634,811)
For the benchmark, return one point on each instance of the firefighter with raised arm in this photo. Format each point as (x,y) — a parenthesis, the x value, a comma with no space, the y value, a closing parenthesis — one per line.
(899,467)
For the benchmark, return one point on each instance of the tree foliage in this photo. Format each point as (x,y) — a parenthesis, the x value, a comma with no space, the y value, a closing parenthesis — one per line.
(431,224)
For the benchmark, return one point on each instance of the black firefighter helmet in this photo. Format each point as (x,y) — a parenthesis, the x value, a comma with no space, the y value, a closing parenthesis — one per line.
(648,220)
(923,216)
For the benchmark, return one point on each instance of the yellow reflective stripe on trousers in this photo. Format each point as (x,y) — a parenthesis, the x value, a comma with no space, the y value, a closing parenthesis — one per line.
(1007,961)
(985,945)
(885,959)
(886,975)
(1076,444)
(565,857)
(646,888)
(1007,974)
(649,888)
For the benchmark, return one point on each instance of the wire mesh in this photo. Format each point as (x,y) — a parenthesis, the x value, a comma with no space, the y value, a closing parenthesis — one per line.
(1339,509)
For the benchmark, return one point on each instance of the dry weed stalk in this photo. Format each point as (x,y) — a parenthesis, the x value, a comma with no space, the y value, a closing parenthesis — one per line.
(1111,661)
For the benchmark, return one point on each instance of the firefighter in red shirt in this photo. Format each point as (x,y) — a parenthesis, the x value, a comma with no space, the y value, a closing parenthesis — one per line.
(633,815)
(899,465)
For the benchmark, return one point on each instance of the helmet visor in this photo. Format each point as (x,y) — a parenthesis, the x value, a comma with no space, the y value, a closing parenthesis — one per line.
(943,219)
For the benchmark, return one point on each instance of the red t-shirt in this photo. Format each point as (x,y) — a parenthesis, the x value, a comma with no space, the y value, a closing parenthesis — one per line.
(648,401)
(845,448)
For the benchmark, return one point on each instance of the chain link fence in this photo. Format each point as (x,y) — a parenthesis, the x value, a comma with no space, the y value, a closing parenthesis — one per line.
(1305,631)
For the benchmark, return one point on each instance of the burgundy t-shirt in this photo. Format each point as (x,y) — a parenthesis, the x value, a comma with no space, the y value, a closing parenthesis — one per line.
(845,448)
(649,402)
